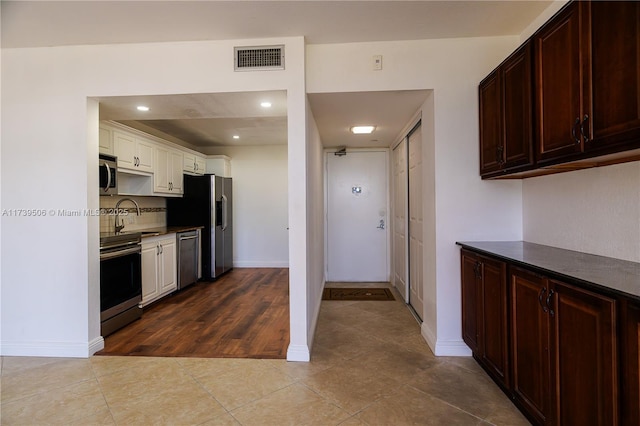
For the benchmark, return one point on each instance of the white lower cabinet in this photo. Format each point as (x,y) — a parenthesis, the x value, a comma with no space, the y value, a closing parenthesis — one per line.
(159,271)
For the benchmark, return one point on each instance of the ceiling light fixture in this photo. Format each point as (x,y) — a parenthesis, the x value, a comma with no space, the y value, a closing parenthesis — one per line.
(142,108)
(265,104)
(362,130)
(236,137)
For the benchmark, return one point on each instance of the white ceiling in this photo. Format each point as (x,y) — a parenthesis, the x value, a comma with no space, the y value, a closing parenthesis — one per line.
(208,120)
(205,119)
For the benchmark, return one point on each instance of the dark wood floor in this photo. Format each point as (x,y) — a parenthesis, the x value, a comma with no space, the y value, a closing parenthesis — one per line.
(243,314)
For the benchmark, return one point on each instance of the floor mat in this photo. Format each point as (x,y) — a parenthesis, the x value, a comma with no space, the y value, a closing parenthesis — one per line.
(357,294)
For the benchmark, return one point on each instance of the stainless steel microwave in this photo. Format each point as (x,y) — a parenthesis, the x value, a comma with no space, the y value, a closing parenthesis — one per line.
(108,175)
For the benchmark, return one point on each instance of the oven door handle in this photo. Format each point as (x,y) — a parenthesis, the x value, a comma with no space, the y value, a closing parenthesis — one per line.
(119,253)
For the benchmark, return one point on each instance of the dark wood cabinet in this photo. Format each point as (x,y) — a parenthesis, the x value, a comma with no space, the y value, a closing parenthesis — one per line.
(584,356)
(471,315)
(615,76)
(559,57)
(485,314)
(568,97)
(506,114)
(571,323)
(530,344)
(495,319)
(564,352)
(490,104)
(630,377)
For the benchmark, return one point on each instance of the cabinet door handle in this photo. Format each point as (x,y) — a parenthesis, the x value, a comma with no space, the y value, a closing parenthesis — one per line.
(585,120)
(551,312)
(157,249)
(573,130)
(540,297)
(500,155)
(478,270)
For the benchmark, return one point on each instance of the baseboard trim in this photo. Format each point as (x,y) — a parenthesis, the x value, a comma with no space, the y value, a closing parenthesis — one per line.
(260,264)
(96,345)
(49,349)
(298,353)
(444,348)
(452,348)
(429,336)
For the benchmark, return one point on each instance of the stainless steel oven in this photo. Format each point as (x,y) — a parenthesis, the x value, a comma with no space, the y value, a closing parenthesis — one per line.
(120,280)
(108,171)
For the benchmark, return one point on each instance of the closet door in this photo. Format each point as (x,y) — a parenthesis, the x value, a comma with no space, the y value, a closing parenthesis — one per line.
(416,276)
(400,205)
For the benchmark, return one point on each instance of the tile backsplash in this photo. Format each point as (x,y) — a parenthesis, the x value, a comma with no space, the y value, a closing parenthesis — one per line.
(153,213)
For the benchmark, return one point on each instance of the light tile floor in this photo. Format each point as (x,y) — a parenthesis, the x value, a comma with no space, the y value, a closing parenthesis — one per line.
(369,366)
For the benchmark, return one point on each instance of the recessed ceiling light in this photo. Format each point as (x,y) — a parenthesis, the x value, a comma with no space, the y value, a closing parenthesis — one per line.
(265,104)
(362,130)
(236,137)
(142,108)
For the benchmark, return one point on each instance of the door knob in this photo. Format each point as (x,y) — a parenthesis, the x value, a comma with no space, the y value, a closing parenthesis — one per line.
(381,226)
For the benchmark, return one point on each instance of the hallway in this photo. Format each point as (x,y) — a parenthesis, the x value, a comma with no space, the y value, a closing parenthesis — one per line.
(369,366)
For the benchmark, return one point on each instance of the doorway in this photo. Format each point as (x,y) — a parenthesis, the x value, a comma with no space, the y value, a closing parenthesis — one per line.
(357,205)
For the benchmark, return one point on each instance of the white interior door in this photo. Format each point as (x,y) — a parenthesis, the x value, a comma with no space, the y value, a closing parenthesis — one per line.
(416,290)
(357,236)
(400,205)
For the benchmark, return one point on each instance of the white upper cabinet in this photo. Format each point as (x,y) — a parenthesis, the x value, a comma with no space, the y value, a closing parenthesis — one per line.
(134,153)
(194,164)
(151,166)
(167,178)
(106,141)
(201,165)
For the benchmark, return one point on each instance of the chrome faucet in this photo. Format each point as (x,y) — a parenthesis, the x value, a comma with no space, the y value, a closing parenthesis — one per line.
(117,227)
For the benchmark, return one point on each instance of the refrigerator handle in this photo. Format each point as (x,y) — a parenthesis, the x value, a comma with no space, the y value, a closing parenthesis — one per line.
(224,212)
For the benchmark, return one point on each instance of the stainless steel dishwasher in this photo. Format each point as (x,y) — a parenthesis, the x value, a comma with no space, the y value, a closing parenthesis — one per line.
(188,253)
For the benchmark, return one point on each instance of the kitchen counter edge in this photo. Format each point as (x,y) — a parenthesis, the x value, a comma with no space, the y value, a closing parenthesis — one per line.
(589,270)
(155,232)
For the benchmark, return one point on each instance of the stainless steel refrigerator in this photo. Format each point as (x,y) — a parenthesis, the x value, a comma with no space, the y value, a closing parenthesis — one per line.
(207,202)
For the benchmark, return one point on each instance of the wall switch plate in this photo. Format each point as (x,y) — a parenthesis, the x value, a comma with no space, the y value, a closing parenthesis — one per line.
(377,62)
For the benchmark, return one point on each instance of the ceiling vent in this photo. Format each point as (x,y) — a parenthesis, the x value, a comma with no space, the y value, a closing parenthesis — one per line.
(259,58)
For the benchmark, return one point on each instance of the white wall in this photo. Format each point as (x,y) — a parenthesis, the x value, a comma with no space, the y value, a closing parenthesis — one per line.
(462,206)
(49,132)
(595,211)
(260,195)
(315,223)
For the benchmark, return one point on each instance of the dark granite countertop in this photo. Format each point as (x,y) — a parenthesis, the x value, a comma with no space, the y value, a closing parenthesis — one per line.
(620,276)
(149,232)
(154,232)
